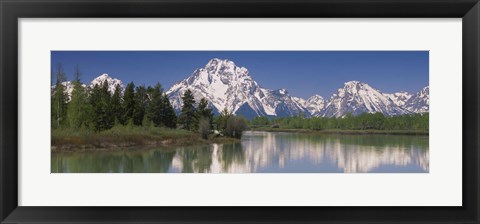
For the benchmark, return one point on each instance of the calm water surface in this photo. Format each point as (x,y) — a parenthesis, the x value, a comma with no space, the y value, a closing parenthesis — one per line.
(262,152)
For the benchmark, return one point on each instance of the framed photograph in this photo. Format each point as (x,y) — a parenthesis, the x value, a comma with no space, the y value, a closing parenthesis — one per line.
(246,112)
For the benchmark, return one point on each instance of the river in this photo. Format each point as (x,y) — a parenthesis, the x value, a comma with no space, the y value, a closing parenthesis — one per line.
(262,152)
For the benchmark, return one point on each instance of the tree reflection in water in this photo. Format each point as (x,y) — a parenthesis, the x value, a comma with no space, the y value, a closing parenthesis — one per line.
(262,152)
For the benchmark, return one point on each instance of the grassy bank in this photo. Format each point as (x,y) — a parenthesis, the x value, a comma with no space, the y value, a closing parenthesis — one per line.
(127,136)
(342,131)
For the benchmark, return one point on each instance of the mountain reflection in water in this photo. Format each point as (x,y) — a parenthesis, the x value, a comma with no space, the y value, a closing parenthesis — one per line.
(263,152)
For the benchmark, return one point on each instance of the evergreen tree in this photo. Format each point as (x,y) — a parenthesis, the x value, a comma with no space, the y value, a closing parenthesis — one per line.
(59,99)
(141,101)
(169,118)
(223,119)
(77,74)
(128,103)
(94,100)
(154,110)
(203,111)
(109,119)
(78,110)
(100,100)
(204,127)
(187,117)
(116,105)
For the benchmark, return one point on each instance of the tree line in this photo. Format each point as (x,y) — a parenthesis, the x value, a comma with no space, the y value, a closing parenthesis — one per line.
(365,121)
(97,108)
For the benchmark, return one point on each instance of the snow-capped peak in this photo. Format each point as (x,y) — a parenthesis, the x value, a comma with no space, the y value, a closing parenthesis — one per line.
(425,92)
(315,98)
(420,101)
(216,62)
(399,98)
(358,97)
(100,79)
(226,85)
(112,82)
(224,67)
(353,83)
(281,91)
(103,76)
(354,87)
(315,104)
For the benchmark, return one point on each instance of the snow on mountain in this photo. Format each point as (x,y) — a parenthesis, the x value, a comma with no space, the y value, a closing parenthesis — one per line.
(299,101)
(112,82)
(313,105)
(68,85)
(226,85)
(284,104)
(68,88)
(357,98)
(420,102)
(399,98)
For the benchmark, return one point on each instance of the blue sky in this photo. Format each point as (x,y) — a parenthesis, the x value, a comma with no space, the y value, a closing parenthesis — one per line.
(302,73)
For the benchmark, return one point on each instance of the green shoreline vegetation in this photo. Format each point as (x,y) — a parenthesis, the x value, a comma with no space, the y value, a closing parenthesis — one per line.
(376,123)
(341,131)
(121,137)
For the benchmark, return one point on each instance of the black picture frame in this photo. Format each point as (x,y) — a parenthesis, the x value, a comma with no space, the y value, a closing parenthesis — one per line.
(12,10)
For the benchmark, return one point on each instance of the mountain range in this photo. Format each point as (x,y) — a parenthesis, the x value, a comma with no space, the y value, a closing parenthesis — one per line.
(226,85)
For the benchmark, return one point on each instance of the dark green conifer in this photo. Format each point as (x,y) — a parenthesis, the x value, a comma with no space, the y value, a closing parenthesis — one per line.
(188,115)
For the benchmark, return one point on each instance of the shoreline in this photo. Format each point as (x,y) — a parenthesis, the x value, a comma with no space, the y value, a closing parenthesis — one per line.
(343,132)
(69,140)
(90,141)
(166,143)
